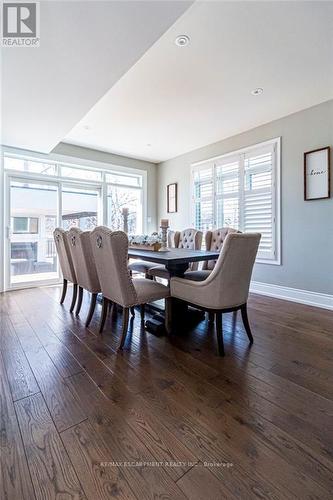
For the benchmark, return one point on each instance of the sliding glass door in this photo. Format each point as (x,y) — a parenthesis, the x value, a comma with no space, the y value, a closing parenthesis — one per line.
(32,218)
(34,210)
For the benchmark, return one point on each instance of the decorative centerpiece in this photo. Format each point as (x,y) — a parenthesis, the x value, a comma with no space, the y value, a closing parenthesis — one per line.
(152,242)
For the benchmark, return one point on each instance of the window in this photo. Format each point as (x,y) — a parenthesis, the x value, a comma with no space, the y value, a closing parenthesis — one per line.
(44,192)
(27,225)
(30,166)
(81,173)
(124,192)
(241,190)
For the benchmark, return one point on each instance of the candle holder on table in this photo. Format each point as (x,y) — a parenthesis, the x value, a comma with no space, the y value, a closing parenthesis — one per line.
(164,230)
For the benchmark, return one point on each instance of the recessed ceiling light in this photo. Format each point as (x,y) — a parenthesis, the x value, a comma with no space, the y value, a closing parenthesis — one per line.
(257,91)
(182,40)
(148,145)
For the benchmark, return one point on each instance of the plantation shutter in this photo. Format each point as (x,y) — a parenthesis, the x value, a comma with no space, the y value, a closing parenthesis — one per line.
(241,190)
(259,199)
(203,195)
(227,172)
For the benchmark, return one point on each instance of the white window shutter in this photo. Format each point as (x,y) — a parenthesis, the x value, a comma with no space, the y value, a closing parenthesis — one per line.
(241,190)
(203,196)
(258,198)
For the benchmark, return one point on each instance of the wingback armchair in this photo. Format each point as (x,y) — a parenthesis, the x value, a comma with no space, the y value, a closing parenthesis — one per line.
(85,268)
(110,250)
(214,241)
(66,264)
(188,238)
(227,287)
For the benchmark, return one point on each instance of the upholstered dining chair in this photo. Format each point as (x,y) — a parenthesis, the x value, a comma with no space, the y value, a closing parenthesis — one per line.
(227,287)
(66,264)
(110,250)
(188,238)
(85,268)
(214,242)
(143,267)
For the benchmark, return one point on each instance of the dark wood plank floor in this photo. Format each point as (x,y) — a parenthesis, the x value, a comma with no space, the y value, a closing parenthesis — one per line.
(166,418)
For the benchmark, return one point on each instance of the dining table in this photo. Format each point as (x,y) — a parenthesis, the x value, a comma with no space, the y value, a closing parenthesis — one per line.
(176,261)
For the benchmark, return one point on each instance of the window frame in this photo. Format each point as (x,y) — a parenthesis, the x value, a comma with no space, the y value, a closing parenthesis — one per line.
(60,160)
(212,163)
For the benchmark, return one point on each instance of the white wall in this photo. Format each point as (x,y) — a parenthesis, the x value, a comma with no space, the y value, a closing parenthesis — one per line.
(307,227)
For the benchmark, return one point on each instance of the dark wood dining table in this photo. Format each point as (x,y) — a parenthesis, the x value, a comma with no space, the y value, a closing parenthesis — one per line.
(176,261)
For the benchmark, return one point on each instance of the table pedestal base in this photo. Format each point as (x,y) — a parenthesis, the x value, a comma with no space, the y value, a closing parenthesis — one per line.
(183,319)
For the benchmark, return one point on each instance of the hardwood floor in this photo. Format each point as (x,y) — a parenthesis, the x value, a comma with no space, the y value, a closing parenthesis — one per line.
(166,418)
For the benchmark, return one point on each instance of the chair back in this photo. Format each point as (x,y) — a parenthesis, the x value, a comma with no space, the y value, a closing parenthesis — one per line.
(228,284)
(172,235)
(214,242)
(191,239)
(83,259)
(63,251)
(110,250)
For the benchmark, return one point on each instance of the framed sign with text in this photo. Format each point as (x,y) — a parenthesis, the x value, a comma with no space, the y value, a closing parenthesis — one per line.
(317,174)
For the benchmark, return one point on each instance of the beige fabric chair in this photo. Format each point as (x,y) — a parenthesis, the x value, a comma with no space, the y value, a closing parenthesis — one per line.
(214,241)
(227,287)
(110,250)
(85,268)
(66,264)
(189,238)
(141,266)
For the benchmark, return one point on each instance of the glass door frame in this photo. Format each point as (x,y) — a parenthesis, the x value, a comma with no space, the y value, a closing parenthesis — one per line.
(18,177)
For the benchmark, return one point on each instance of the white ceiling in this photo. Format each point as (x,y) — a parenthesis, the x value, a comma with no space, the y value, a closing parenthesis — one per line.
(179,99)
(85,47)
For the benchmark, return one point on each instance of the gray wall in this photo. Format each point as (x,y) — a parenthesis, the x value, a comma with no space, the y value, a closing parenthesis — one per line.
(112,159)
(307,227)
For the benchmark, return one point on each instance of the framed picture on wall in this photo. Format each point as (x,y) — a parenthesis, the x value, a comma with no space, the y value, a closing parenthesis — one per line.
(317,174)
(172,198)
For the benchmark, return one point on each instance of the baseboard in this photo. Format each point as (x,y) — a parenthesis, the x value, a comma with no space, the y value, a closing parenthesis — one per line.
(316,299)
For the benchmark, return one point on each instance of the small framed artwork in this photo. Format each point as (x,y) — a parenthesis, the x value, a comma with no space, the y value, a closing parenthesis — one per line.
(317,174)
(172,198)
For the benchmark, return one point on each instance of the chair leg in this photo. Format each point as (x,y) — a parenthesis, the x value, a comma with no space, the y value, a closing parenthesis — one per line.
(73,298)
(211,317)
(91,308)
(133,311)
(142,312)
(168,315)
(219,333)
(246,322)
(64,291)
(105,306)
(125,326)
(79,302)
